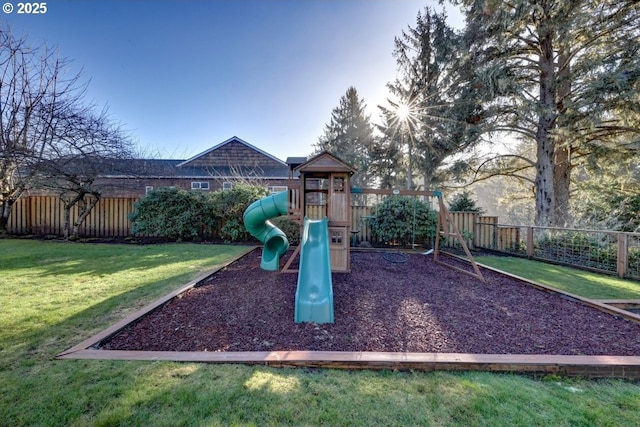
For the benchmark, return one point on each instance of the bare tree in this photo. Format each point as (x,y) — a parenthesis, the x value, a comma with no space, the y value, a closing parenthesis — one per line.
(87,147)
(33,92)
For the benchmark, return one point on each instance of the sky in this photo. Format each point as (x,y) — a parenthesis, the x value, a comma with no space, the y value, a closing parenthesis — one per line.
(184,76)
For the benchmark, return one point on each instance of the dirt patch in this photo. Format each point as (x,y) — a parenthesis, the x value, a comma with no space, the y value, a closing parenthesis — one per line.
(416,306)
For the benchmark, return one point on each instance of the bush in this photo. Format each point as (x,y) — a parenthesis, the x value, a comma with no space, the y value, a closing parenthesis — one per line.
(289,227)
(578,248)
(227,207)
(404,220)
(172,213)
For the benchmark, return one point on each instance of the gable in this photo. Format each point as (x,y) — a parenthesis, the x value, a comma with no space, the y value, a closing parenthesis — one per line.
(236,153)
(325,162)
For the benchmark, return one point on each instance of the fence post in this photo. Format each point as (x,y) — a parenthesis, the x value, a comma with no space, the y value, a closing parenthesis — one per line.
(529,242)
(623,254)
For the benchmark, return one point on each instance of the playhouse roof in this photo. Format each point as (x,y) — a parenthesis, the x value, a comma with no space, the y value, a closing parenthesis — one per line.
(325,162)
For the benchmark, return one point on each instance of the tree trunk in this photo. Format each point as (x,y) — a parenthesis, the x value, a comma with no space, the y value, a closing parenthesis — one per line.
(562,182)
(67,220)
(6,206)
(5,211)
(85,210)
(68,205)
(562,167)
(544,181)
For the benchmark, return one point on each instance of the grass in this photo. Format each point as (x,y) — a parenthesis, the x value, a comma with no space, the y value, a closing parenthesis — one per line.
(53,295)
(579,282)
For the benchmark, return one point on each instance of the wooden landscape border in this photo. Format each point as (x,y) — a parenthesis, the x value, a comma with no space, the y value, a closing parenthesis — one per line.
(603,366)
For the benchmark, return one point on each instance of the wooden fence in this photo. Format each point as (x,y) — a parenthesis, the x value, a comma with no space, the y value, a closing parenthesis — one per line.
(44,215)
(601,250)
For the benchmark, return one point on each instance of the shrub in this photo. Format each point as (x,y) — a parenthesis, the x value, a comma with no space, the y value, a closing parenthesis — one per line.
(578,248)
(227,207)
(170,212)
(405,220)
(289,227)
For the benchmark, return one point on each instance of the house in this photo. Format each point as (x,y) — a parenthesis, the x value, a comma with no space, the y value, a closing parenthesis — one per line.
(219,167)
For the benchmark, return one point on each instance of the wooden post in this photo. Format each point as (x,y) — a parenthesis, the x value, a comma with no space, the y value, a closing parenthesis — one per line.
(449,229)
(623,254)
(529,242)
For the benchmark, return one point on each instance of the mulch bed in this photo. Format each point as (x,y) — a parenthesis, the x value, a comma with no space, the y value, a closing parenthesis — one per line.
(416,306)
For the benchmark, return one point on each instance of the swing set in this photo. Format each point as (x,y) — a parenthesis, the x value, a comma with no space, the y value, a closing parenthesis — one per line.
(445,228)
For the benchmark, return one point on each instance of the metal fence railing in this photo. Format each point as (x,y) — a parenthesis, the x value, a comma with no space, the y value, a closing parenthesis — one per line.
(602,250)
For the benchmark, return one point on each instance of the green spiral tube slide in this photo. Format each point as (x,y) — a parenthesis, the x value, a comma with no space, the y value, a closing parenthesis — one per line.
(256,221)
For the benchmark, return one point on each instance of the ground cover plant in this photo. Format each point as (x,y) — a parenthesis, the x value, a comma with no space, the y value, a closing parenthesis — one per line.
(53,295)
(579,282)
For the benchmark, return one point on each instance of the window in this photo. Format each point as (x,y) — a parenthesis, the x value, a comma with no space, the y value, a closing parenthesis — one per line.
(148,189)
(336,237)
(316,184)
(227,186)
(199,185)
(277,188)
(338,184)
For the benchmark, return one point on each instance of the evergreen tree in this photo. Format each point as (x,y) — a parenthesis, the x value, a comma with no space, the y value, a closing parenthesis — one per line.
(463,202)
(349,135)
(563,74)
(439,109)
(608,194)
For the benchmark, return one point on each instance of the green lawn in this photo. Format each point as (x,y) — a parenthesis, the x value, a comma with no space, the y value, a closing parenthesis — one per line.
(579,282)
(53,295)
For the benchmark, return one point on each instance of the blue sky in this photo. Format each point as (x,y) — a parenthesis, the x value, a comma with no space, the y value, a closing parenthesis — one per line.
(183,76)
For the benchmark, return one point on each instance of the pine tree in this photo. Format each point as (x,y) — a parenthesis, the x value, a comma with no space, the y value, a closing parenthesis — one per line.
(563,74)
(433,85)
(349,135)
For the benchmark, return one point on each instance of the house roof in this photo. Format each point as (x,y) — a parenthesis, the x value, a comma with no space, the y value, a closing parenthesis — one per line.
(228,141)
(294,162)
(248,162)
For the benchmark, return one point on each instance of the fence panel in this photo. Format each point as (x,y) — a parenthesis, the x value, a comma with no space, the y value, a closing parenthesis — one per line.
(316,211)
(19,219)
(466,224)
(361,225)
(633,255)
(587,248)
(44,215)
(485,232)
(510,239)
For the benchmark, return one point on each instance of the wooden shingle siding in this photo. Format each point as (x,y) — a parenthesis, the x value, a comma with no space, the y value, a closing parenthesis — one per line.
(235,154)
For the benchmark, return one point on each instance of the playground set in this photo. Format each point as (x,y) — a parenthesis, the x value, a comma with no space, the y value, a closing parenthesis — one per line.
(324,246)
(324,249)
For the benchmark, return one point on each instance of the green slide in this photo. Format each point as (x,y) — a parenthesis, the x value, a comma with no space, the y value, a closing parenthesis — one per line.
(256,221)
(314,296)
